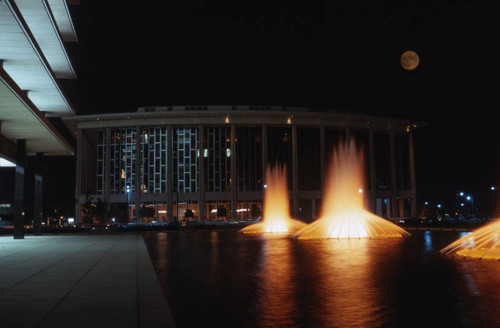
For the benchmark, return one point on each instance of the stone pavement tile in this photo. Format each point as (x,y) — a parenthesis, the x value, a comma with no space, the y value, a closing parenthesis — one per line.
(98,291)
(110,268)
(46,277)
(109,281)
(24,314)
(155,318)
(92,304)
(86,319)
(80,281)
(30,291)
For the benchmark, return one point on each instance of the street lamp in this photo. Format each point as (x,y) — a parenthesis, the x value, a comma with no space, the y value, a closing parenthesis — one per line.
(469,198)
(128,190)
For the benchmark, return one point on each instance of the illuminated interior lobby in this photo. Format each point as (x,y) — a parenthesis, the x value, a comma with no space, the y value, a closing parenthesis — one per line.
(202,158)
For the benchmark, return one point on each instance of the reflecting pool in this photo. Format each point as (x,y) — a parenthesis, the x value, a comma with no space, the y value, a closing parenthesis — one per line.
(229,279)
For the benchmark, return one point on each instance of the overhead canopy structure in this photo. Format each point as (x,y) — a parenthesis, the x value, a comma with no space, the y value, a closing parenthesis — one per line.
(20,119)
(32,59)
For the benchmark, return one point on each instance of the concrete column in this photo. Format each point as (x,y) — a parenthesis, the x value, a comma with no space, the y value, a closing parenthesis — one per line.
(107,160)
(138,165)
(37,197)
(234,182)
(373,171)
(264,154)
(170,163)
(393,174)
(295,172)
(313,209)
(401,205)
(78,175)
(322,154)
(413,188)
(347,133)
(202,172)
(19,190)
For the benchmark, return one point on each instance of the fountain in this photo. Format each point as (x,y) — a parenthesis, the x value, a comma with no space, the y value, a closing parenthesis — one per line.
(276,218)
(482,243)
(343,213)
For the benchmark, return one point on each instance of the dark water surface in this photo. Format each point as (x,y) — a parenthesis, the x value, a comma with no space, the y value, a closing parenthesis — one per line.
(228,279)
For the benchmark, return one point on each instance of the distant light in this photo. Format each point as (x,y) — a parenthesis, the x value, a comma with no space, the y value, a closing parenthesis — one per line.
(426,203)
(492,188)
(461,193)
(227,119)
(469,197)
(360,190)
(462,204)
(228,152)
(205,152)
(265,186)
(439,205)
(128,189)
(289,120)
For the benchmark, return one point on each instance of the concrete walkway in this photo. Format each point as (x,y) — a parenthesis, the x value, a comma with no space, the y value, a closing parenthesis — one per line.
(79,281)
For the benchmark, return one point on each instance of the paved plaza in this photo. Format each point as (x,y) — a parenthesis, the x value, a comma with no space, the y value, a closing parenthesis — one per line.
(79,281)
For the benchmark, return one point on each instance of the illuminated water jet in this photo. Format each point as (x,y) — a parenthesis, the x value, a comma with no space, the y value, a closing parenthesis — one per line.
(343,213)
(482,243)
(276,217)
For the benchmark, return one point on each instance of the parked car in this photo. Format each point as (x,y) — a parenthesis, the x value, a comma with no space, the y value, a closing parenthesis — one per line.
(136,223)
(157,224)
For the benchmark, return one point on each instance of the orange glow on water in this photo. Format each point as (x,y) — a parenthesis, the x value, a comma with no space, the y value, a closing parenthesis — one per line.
(343,213)
(483,243)
(276,217)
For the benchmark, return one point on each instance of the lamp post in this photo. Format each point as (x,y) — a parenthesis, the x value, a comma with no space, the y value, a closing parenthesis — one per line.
(469,198)
(127,189)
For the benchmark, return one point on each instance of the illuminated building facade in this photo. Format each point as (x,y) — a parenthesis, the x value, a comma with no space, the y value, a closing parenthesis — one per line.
(203,158)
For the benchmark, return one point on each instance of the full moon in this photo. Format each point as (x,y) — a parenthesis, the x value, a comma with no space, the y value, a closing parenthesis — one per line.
(409,60)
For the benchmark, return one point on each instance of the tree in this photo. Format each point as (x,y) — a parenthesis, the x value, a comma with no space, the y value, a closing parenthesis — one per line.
(93,209)
(188,214)
(221,211)
(101,207)
(256,210)
(118,212)
(146,212)
(87,209)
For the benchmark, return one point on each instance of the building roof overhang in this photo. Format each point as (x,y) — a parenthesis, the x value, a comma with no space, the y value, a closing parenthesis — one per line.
(21,119)
(33,55)
(60,12)
(241,115)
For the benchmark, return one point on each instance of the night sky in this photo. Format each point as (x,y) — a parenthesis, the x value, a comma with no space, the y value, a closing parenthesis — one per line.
(335,54)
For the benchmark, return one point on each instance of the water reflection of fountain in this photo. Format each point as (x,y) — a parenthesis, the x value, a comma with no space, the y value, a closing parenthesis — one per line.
(343,213)
(483,243)
(344,283)
(276,218)
(277,306)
